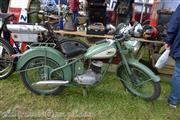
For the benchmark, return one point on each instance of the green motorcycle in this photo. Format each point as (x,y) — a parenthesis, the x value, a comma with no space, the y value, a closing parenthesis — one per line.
(45,70)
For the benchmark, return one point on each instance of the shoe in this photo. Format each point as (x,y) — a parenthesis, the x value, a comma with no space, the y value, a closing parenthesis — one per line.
(171,105)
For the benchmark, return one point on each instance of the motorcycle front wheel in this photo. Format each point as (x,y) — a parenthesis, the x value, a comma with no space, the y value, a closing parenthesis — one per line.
(38,69)
(6,59)
(139,83)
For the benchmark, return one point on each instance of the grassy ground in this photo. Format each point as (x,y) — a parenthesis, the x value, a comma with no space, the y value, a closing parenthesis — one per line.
(108,101)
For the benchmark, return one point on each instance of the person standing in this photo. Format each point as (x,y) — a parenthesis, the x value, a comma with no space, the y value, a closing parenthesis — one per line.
(74,9)
(4,5)
(126,11)
(110,11)
(173,42)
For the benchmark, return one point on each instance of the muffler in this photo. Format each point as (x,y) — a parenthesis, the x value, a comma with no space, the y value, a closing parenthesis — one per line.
(50,83)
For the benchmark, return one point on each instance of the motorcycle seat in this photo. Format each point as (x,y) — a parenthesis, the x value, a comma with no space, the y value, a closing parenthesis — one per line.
(71,50)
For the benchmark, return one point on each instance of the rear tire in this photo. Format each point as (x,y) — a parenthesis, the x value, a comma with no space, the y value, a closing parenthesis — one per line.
(7,62)
(139,83)
(42,67)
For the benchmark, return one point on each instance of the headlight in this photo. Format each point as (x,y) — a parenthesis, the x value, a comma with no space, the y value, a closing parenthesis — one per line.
(133,45)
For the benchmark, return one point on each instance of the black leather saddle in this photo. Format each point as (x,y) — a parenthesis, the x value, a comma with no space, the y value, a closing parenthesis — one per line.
(71,49)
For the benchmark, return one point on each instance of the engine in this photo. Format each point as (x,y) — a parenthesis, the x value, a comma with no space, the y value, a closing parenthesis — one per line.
(92,75)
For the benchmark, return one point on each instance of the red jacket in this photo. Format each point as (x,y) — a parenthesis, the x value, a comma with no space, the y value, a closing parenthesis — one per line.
(74,5)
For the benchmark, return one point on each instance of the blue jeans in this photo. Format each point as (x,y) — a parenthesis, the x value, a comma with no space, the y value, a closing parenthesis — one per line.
(74,16)
(175,84)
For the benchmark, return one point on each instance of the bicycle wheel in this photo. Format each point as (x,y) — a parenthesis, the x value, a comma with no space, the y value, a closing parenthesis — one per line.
(6,59)
(38,69)
(139,83)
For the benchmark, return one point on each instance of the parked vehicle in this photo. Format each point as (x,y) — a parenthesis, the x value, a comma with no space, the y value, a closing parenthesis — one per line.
(32,34)
(46,71)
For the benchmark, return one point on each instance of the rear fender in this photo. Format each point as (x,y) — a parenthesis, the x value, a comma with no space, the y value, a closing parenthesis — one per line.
(44,52)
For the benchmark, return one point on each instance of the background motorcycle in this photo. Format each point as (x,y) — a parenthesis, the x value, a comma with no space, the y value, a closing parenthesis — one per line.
(32,34)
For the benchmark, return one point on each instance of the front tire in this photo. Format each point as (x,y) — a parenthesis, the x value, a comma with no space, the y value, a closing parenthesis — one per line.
(139,83)
(38,69)
(6,59)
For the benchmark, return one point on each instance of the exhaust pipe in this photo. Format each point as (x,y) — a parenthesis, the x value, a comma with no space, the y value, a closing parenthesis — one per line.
(50,83)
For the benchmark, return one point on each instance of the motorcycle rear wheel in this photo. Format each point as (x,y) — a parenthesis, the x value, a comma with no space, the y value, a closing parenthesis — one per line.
(139,83)
(38,69)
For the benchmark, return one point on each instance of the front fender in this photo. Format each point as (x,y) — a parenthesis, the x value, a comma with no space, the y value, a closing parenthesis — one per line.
(44,52)
(144,68)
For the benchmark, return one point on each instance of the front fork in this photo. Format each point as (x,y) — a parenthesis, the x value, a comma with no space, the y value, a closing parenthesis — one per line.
(132,76)
(123,58)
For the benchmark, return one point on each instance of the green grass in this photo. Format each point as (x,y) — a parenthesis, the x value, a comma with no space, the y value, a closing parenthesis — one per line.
(108,101)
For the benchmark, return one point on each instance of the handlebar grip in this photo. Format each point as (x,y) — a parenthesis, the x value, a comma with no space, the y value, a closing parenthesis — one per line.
(118,36)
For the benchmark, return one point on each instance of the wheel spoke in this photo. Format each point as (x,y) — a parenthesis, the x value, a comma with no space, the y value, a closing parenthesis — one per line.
(38,69)
(138,83)
(6,61)
(141,83)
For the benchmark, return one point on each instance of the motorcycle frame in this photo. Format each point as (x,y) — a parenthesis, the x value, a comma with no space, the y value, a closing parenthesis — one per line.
(119,49)
(66,65)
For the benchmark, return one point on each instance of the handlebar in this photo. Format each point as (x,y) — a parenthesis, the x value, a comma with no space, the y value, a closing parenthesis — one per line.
(120,37)
(12,15)
(6,16)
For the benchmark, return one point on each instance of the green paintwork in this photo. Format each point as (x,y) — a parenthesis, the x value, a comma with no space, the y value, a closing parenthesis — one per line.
(45,52)
(73,67)
(98,48)
(79,68)
(136,63)
(129,44)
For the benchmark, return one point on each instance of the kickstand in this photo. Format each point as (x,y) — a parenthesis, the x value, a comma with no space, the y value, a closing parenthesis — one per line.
(84,91)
